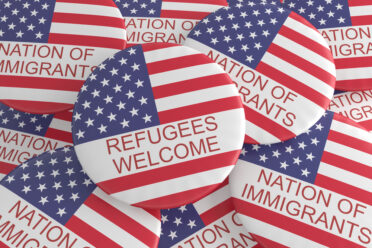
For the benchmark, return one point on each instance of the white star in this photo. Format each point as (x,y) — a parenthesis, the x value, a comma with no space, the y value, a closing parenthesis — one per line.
(197,33)
(10,179)
(341,20)
(20,34)
(15,12)
(276,153)
(104,82)
(74,197)
(240,37)
(263,158)
(57,185)
(25,177)
(132,51)
(139,83)
(61,212)
(310,156)
(245,47)
(227,38)
(173,235)
(235,26)
(102,129)
(77,116)
(133,11)
(42,20)
(297,160)
(130,94)
(322,21)
(266,33)
(339,6)
(260,23)
(147,118)
(59,198)
(302,145)
(1,33)
(314,141)
(310,3)
(182,208)
(5,121)
(30,27)
(121,105)
(305,172)
(42,187)
(134,111)
(135,67)
(26,189)
(80,134)
(44,200)
(164,218)
(312,16)
(124,123)
(177,221)
(232,49)
(214,41)
(89,123)
(21,124)
(86,104)
(126,77)
(39,35)
(319,127)
(53,161)
(108,99)
(40,174)
(301,10)
(273,21)
(331,14)
(191,224)
(289,149)
(98,110)
(256,13)
(243,152)
(223,28)
(114,71)
(45,6)
(257,45)
(72,184)
(11,26)
(252,35)
(255,147)
(38,163)
(320,8)
(123,61)
(210,30)
(112,117)
(284,165)
(87,182)
(248,24)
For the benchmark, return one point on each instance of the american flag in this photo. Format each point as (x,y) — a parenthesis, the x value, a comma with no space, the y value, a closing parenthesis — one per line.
(56,185)
(240,3)
(353,72)
(334,155)
(23,135)
(75,23)
(150,86)
(279,45)
(356,105)
(180,225)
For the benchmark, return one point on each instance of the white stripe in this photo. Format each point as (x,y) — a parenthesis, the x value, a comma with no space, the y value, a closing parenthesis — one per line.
(349,153)
(87,9)
(229,139)
(259,134)
(352,131)
(89,30)
(354,73)
(138,214)
(276,234)
(42,95)
(195,97)
(186,73)
(296,73)
(61,125)
(174,186)
(305,53)
(310,33)
(212,200)
(107,228)
(364,10)
(197,7)
(345,176)
(168,53)
(2,176)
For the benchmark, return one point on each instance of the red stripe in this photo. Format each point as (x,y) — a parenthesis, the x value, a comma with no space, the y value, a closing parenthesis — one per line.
(302,20)
(350,141)
(309,44)
(66,116)
(40,83)
(360,62)
(268,125)
(303,64)
(343,189)
(367,124)
(250,140)
(211,2)
(293,84)
(347,164)
(6,168)
(169,172)
(258,246)
(178,14)
(157,46)
(154,212)
(190,85)
(200,109)
(35,107)
(217,212)
(178,63)
(348,121)
(109,3)
(358,3)
(177,199)
(354,84)
(268,243)
(90,234)
(2,245)
(59,135)
(96,20)
(121,220)
(291,225)
(86,40)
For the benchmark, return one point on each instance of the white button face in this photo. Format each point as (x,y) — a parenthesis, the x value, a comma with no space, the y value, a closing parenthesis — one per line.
(158,125)
(55,202)
(48,49)
(281,65)
(299,192)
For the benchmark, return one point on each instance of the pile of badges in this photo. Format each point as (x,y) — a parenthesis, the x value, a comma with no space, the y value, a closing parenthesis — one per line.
(185,123)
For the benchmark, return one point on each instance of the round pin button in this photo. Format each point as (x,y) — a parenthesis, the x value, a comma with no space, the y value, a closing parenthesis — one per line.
(346,26)
(48,49)
(51,202)
(158,125)
(356,105)
(164,20)
(311,191)
(210,222)
(24,135)
(280,64)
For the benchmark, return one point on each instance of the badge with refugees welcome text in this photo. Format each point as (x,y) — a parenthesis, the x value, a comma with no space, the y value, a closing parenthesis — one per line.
(346,25)
(49,201)
(311,191)
(158,125)
(23,135)
(280,64)
(49,47)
